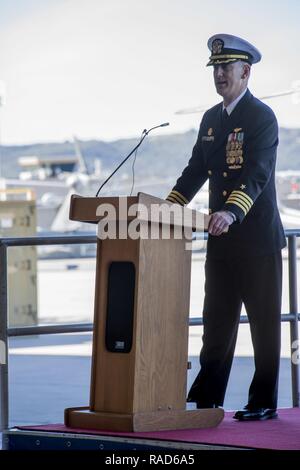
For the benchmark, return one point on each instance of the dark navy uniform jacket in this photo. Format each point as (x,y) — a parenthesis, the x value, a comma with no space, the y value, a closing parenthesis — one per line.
(238,155)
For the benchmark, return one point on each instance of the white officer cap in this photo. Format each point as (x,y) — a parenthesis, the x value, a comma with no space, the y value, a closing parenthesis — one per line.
(226,48)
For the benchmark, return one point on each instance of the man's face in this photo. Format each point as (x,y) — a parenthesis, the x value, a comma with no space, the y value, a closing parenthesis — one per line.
(231,79)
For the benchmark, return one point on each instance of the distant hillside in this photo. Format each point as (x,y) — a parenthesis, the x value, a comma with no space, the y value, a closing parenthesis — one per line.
(158,156)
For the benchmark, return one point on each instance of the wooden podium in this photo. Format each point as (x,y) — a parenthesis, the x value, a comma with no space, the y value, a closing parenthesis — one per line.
(140,339)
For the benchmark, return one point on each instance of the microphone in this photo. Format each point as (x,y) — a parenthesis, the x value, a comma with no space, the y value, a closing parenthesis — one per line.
(164,124)
(144,135)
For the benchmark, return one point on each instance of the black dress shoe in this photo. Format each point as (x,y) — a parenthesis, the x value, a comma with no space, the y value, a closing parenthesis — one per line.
(255,414)
(240,413)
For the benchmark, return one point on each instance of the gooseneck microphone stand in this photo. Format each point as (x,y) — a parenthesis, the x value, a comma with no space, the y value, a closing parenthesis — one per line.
(144,135)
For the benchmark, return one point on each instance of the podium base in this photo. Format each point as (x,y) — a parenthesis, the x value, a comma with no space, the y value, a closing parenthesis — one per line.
(84,418)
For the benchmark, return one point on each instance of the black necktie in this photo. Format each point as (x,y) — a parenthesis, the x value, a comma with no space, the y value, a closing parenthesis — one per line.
(225,115)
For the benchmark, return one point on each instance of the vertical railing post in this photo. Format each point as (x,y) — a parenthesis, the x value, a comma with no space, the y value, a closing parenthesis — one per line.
(294,335)
(3,340)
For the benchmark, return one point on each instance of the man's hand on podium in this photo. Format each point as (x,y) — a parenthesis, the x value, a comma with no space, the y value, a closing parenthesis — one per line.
(219,222)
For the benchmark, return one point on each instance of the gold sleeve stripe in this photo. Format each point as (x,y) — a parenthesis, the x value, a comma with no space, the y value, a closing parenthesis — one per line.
(238,204)
(241,193)
(176,193)
(241,200)
(173,200)
(238,201)
(176,199)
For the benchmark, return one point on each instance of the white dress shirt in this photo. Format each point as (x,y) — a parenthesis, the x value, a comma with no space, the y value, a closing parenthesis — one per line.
(232,105)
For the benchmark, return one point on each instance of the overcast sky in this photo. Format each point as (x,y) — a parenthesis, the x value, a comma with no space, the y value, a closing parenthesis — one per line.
(110,68)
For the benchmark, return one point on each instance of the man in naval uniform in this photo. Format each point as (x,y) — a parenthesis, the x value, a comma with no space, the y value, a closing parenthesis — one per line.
(236,151)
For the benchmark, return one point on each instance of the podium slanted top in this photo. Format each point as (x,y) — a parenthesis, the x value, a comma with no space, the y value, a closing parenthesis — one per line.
(143,207)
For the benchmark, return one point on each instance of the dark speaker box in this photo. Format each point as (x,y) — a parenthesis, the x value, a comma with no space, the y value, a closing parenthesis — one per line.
(120,307)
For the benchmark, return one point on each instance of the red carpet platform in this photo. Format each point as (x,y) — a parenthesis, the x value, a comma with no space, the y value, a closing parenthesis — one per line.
(282,433)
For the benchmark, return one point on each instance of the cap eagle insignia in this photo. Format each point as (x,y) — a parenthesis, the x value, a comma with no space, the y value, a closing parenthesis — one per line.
(217,46)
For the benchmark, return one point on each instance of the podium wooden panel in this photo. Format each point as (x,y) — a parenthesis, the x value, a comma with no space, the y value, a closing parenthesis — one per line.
(144,389)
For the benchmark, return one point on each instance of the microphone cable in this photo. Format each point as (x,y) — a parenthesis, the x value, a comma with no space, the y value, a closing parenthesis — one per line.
(133,164)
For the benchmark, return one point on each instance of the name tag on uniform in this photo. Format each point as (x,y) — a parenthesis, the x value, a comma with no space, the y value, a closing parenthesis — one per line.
(209,137)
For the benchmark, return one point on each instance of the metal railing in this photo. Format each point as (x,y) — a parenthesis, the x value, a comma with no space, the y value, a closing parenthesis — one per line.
(6,332)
